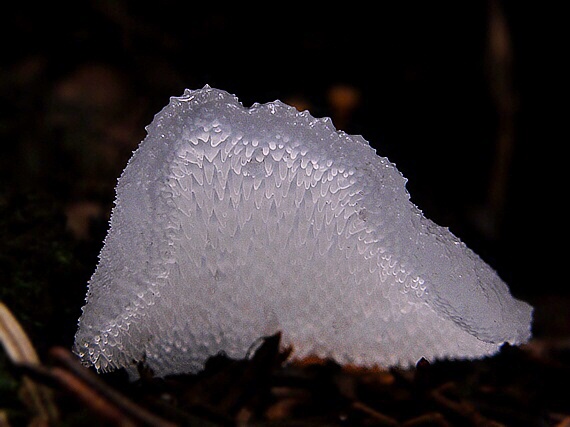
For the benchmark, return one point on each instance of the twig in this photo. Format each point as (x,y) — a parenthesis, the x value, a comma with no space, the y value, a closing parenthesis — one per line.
(431,419)
(89,397)
(20,351)
(462,408)
(378,417)
(84,384)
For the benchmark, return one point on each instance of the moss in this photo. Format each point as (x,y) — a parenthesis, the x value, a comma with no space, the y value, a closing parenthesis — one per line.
(43,270)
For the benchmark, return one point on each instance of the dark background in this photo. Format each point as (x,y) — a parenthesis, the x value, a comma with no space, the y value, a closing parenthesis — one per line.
(465,97)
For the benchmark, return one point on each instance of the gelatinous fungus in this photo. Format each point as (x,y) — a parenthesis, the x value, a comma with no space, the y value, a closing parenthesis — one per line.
(232,223)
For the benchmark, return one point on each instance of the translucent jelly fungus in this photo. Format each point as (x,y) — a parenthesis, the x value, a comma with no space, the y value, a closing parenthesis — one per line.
(232,223)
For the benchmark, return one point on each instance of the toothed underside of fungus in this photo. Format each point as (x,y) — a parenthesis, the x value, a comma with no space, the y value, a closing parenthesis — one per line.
(232,223)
